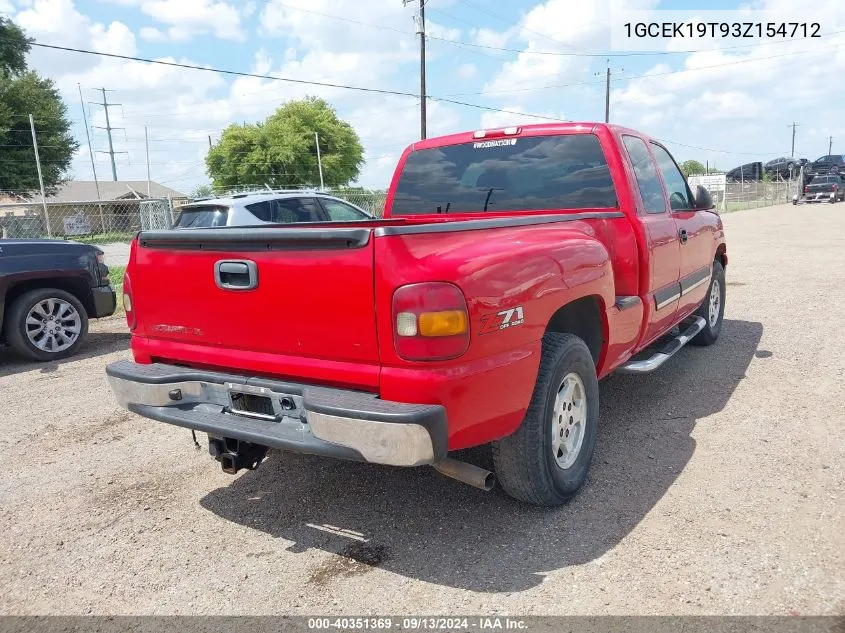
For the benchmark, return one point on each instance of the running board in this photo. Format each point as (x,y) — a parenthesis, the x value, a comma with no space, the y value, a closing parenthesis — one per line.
(650,364)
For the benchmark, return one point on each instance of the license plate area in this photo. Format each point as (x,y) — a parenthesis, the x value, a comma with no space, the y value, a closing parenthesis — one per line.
(251,402)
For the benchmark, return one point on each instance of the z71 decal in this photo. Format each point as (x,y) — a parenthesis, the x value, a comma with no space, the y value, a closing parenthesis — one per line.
(502,320)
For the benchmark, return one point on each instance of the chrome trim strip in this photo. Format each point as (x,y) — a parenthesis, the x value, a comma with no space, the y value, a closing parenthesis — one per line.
(493,223)
(666,302)
(695,285)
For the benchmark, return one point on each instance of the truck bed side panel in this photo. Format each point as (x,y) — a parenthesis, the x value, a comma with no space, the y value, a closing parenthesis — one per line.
(536,268)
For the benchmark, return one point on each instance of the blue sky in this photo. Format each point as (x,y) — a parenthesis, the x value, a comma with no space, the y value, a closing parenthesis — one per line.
(728,106)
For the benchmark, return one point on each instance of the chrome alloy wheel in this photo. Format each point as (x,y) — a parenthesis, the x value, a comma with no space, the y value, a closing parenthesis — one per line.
(53,325)
(715,302)
(570,421)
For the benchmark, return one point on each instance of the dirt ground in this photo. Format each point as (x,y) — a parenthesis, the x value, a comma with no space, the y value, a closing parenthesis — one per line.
(716,488)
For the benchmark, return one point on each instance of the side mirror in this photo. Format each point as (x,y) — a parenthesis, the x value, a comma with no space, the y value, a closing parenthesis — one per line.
(703,199)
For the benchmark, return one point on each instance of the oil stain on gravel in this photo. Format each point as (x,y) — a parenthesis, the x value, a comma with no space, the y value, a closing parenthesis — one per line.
(354,560)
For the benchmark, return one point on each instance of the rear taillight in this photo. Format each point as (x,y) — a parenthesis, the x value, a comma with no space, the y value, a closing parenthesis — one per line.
(835,187)
(128,307)
(430,321)
(806,188)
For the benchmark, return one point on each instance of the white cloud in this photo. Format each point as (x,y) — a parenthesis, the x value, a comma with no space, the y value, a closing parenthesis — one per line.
(188,18)
(467,71)
(513,115)
(489,37)
(152,34)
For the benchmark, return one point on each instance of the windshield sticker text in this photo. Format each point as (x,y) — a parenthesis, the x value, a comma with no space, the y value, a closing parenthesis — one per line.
(499,143)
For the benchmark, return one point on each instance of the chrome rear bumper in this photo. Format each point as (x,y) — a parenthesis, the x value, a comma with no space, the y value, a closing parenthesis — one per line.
(304,418)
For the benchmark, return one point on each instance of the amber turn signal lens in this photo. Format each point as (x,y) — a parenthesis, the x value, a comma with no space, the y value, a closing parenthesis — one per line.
(446,323)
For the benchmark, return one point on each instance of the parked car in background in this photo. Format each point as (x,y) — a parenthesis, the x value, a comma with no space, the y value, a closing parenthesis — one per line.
(823,188)
(48,291)
(830,164)
(784,166)
(747,172)
(271,207)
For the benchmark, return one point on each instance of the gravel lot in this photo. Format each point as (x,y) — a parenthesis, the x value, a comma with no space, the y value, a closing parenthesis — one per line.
(717,486)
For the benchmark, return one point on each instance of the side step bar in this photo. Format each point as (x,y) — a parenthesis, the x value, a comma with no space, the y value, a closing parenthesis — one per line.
(650,364)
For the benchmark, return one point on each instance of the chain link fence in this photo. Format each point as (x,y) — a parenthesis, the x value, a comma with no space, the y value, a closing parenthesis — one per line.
(113,221)
(751,194)
(85,221)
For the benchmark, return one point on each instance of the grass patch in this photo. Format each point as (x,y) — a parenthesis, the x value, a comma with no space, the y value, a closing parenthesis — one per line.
(116,279)
(103,238)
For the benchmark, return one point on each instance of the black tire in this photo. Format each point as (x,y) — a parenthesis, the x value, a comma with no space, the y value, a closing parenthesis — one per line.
(524,462)
(710,333)
(15,324)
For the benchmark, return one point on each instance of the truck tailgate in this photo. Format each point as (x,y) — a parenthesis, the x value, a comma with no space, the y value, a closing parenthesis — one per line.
(312,297)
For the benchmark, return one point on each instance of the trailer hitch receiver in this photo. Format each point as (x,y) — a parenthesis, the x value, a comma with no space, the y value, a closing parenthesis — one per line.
(234,454)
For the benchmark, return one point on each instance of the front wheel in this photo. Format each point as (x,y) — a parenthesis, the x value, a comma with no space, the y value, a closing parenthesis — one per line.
(46,324)
(546,460)
(712,309)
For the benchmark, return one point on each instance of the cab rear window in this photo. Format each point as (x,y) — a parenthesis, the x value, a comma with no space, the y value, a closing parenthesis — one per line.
(567,171)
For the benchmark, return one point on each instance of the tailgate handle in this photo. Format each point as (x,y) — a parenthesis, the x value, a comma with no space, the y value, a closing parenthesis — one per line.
(236,274)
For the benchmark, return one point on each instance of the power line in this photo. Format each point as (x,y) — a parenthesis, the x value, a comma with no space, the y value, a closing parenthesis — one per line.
(284,79)
(644,76)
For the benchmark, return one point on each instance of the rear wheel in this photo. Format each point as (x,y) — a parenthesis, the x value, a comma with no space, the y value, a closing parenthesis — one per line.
(712,309)
(46,324)
(546,460)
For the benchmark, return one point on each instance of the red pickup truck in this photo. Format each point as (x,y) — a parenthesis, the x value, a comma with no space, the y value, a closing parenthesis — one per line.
(513,268)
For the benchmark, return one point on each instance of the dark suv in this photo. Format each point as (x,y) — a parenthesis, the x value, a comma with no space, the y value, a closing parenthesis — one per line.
(48,291)
(830,164)
(784,166)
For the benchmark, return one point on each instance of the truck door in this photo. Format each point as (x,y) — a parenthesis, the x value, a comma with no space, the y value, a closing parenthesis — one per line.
(663,288)
(695,232)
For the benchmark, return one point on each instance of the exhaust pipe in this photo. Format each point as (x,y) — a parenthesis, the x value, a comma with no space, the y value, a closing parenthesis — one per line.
(467,473)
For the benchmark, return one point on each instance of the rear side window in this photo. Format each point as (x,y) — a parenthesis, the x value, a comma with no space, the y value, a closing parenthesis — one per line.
(342,212)
(646,174)
(286,210)
(506,174)
(202,217)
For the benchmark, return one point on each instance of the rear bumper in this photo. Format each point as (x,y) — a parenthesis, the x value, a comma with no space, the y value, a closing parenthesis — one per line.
(822,196)
(105,301)
(307,419)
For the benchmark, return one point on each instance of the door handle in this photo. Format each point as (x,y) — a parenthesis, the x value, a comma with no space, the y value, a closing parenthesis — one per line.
(236,274)
(682,233)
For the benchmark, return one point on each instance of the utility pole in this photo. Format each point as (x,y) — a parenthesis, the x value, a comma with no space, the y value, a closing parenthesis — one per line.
(793,126)
(420,22)
(147,144)
(91,155)
(830,146)
(209,141)
(106,105)
(319,160)
(608,72)
(40,179)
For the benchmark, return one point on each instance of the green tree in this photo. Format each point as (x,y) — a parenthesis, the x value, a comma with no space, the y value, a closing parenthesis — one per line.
(24,92)
(692,168)
(14,45)
(281,151)
(202,191)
